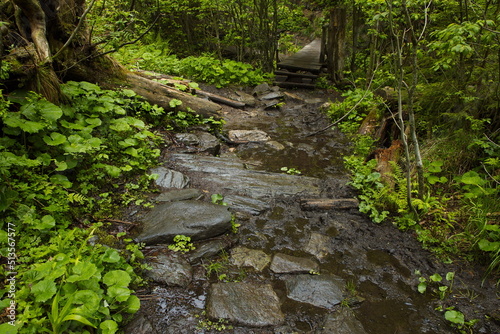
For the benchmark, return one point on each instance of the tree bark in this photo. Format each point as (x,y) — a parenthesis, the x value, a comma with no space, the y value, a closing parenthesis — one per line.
(336,43)
(78,61)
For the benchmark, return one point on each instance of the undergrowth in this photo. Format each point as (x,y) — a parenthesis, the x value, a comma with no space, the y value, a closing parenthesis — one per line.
(65,171)
(206,68)
(458,213)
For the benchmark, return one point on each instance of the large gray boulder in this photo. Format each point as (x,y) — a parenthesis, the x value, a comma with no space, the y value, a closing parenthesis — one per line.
(249,304)
(195,219)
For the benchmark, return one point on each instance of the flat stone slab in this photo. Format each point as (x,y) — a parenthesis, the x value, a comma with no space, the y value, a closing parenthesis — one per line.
(324,291)
(170,269)
(246,257)
(168,178)
(178,195)
(195,219)
(249,304)
(250,135)
(283,263)
(230,176)
(317,245)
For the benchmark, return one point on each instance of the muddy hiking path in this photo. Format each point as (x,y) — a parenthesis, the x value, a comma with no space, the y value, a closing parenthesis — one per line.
(294,266)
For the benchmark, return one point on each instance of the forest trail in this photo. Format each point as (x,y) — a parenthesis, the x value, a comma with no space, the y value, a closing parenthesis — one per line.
(290,268)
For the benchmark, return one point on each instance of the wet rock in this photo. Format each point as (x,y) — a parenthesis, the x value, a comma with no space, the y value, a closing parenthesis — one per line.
(187,139)
(248,135)
(246,257)
(208,249)
(140,325)
(195,219)
(168,178)
(271,104)
(324,291)
(220,173)
(283,263)
(341,322)
(248,304)
(246,204)
(247,99)
(271,96)
(170,269)
(318,245)
(274,144)
(208,143)
(261,89)
(178,195)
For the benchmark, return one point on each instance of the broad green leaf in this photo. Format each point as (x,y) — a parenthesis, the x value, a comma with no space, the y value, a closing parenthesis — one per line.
(450,276)
(472,178)
(132,151)
(108,327)
(118,293)
(135,122)
(117,277)
(44,290)
(44,158)
(82,271)
(436,278)
(422,287)
(94,121)
(119,124)
(128,142)
(61,166)
(61,180)
(49,111)
(54,139)
(133,304)
(455,317)
(89,86)
(89,300)
(110,256)
(488,246)
(46,222)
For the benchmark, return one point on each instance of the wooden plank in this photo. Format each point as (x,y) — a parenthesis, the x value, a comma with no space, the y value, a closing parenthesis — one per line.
(289,84)
(294,74)
(306,59)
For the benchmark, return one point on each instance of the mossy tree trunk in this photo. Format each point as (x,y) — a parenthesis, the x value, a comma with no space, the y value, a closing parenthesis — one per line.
(51,44)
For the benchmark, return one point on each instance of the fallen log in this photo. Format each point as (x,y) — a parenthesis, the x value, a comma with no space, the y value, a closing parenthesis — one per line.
(220,99)
(309,204)
(161,94)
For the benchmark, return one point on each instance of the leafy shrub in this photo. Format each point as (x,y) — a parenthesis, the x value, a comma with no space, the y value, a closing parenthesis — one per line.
(61,168)
(156,57)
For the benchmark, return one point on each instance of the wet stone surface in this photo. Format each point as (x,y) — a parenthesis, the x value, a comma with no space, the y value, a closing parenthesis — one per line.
(368,266)
(250,304)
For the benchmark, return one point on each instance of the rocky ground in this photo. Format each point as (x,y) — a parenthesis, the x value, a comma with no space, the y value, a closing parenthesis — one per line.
(293,266)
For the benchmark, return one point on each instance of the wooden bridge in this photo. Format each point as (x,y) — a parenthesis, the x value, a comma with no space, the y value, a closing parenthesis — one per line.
(302,68)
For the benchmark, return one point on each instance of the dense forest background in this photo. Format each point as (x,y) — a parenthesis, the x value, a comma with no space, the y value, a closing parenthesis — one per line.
(420,85)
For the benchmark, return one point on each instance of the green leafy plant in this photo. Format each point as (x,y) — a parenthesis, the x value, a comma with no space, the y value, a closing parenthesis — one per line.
(218,199)
(291,170)
(182,244)
(442,290)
